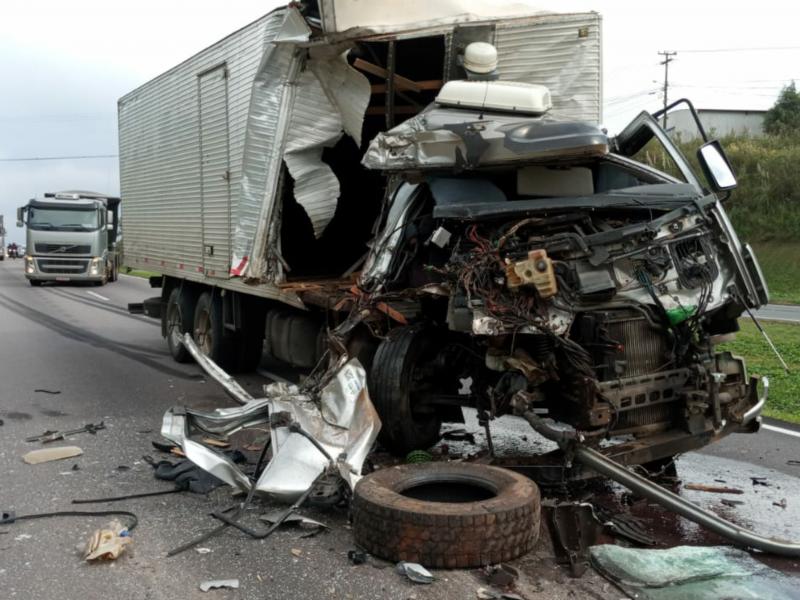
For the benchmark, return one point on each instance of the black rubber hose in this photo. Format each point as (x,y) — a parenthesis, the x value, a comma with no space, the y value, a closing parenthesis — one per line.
(128,497)
(134,520)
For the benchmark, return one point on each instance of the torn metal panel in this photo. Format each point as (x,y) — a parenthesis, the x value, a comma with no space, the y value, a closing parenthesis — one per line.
(348,438)
(314,126)
(348,89)
(266,124)
(331,97)
(392,16)
(228,383)
(341,419)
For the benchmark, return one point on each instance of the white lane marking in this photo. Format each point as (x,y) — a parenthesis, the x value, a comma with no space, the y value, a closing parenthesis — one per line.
(96,295)
(780,430)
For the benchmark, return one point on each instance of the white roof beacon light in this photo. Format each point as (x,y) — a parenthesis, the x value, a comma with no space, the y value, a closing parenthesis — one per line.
(502,96)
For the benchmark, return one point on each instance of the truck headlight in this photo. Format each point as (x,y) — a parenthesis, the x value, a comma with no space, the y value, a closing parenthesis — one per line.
(29,265)
(95,265)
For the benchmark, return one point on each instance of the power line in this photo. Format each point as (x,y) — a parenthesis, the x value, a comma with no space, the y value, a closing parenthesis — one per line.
(761,49)
(81,157)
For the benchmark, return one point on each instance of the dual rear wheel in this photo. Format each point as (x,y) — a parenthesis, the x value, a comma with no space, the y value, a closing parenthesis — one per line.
(201,314)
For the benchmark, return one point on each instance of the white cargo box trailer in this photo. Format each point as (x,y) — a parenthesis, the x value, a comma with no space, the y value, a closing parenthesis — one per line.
(241,167)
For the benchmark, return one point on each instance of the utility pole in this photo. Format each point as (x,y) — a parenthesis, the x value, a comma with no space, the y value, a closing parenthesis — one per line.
(667,59)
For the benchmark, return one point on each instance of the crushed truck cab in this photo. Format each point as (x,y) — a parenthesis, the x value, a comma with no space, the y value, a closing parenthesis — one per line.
(427,189)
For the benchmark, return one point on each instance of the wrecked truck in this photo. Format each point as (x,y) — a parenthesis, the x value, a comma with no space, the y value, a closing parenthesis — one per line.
(428,190)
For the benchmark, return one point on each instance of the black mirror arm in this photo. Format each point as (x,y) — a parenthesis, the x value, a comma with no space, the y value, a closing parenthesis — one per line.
(692,110)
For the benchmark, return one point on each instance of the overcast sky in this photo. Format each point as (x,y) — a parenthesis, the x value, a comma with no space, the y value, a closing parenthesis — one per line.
(64,64)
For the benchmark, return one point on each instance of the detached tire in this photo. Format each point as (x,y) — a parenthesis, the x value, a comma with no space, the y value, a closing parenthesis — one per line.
(179,320)
(495,516)
(397,377)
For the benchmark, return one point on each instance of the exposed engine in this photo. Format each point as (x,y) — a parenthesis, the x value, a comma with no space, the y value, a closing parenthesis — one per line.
(605,320)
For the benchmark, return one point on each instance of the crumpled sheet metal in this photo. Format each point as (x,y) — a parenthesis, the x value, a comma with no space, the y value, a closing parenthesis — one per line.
(266,121)
(348,436)
(330,97)
(352,432)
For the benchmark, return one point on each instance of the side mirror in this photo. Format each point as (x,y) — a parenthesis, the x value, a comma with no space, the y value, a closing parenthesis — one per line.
(716,167)
(20,216)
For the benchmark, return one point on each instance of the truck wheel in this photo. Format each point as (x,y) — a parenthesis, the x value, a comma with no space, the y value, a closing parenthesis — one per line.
(209,331)
(114,271)
(179,320)
(401,371)
(446,515)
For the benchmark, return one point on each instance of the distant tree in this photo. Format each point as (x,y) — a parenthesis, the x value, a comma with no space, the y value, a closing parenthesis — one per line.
(784,116)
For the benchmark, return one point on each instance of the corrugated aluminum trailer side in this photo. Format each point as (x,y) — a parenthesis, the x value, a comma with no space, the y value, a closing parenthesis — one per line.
(241,167)
(182,138)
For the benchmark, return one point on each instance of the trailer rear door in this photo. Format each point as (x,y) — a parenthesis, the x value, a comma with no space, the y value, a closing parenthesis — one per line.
(215,171)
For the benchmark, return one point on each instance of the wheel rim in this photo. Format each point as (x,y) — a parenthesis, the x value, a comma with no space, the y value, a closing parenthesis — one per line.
(202,332)
(174,322)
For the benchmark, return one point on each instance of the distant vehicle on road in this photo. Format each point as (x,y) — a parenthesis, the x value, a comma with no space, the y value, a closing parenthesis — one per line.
(2,239)
(71,236)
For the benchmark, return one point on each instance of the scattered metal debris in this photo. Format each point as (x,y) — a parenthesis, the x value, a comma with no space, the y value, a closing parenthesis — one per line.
(203,550)
(760,481)
(232,584)
(35,457)
(732,503)
(570,440)
(501,575)
(483,593)
(107,543)
(782,504)
(713,489)
(626,526)
(357,557)
(298,520)
(51,436)
(307,428)
(296,552)
(575,529)
(415,572)
(459,435)
(43,391)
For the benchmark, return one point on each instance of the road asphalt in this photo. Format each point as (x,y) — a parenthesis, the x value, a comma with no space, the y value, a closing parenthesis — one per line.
(72,355)
(779,312)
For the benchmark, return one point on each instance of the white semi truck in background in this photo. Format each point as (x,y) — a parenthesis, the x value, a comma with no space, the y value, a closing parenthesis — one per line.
(426,187)
(71,236)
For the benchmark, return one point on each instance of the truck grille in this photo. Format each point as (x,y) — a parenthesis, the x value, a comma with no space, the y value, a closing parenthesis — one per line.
(647,415)
(645,348)
(62,267)
(62,249)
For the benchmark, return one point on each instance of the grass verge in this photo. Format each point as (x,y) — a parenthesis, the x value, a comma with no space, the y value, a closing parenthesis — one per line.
(780,262)
(784,389)
(138,273)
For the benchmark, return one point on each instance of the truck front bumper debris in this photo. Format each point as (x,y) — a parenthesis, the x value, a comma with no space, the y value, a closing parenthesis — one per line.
(307,429)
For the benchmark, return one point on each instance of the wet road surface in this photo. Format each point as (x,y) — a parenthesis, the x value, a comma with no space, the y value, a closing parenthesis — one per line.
(108,365)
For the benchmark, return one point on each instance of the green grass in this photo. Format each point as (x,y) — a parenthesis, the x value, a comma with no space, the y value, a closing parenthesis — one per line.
(784,391)
(780,262)
(138,273)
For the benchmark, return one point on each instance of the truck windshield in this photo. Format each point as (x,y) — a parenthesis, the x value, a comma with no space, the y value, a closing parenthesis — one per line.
(63,219)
